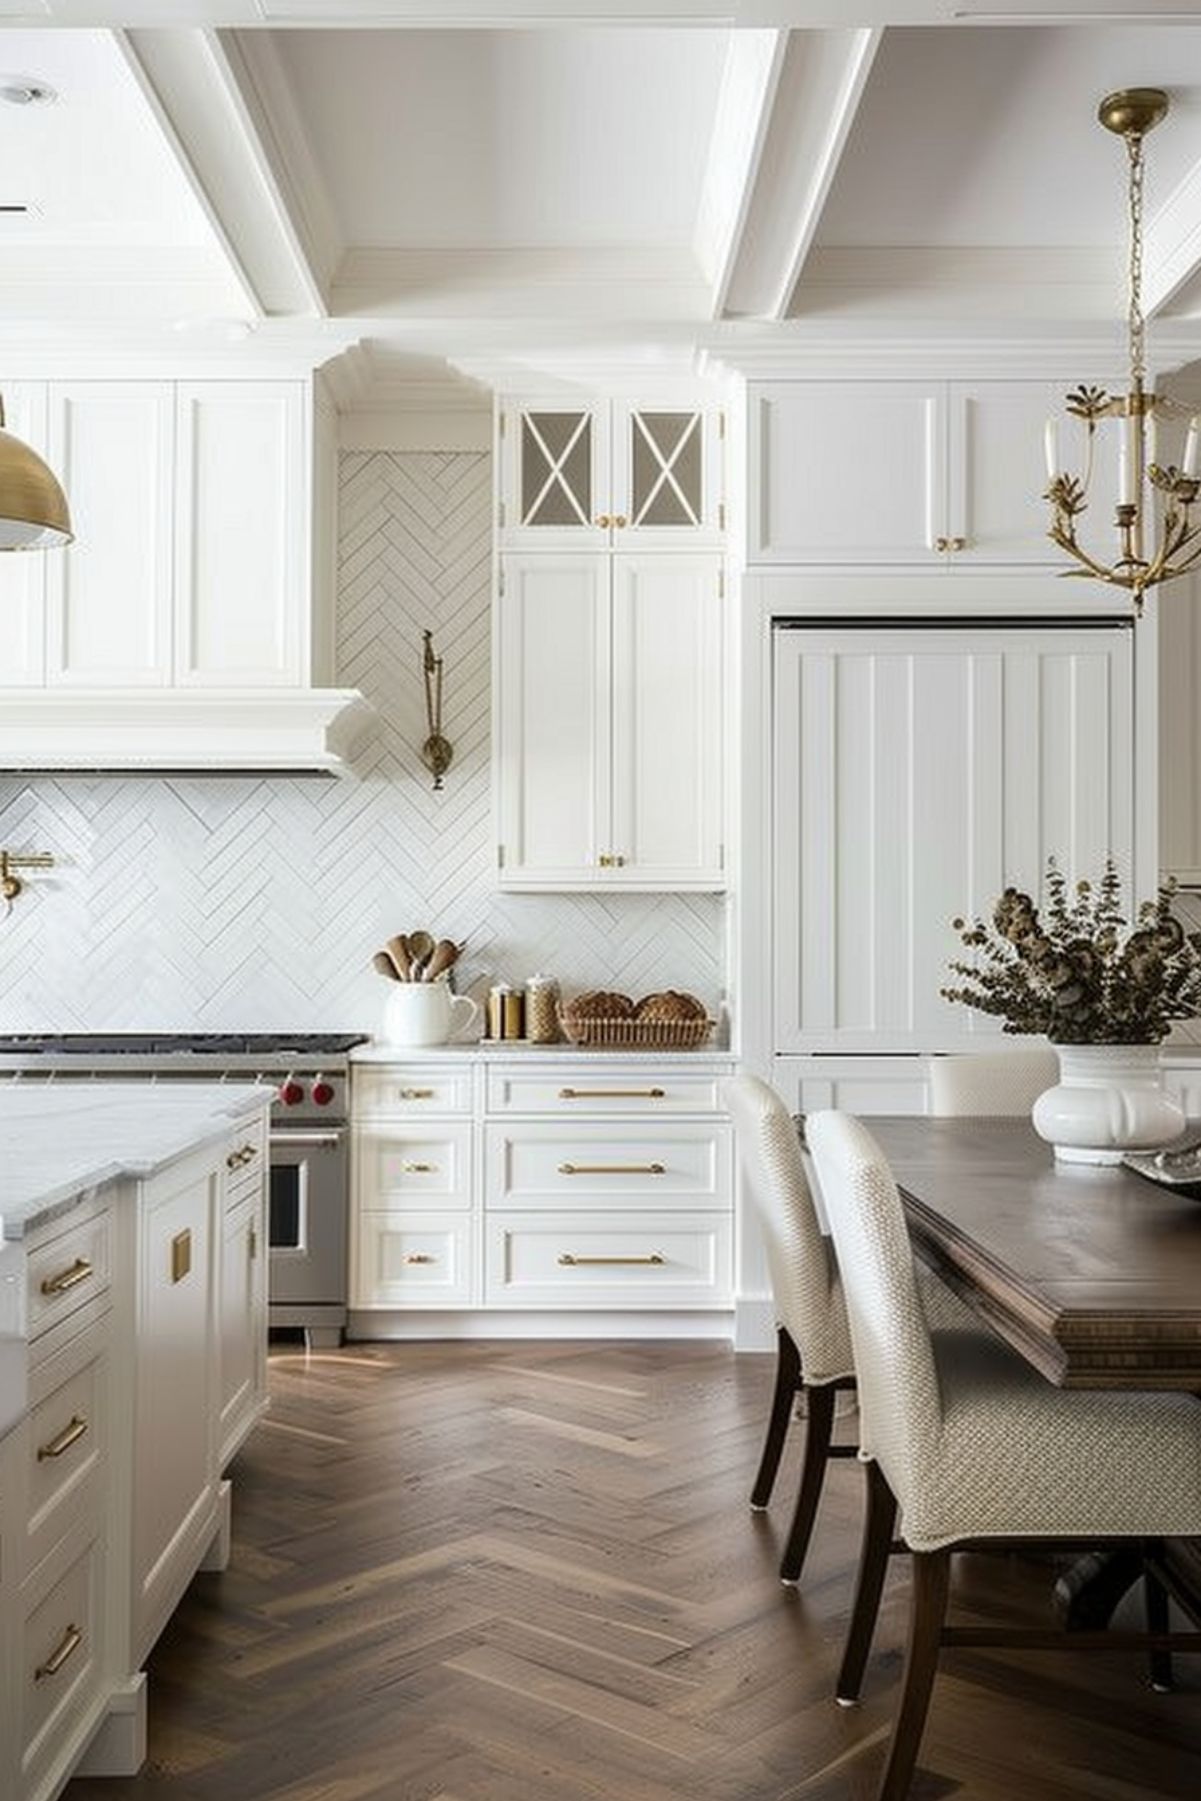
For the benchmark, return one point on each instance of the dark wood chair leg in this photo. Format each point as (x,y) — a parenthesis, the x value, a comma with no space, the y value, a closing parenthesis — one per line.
(819,1429)
(788,1380)
(931,1582)
(878,1522)
(1159,1663)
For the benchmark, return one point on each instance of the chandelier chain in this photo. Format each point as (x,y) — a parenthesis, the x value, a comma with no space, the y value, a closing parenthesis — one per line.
(1138,327)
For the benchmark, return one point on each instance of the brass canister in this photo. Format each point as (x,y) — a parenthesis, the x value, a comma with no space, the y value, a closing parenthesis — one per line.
(497,998)
(542,1010)
(513,1021)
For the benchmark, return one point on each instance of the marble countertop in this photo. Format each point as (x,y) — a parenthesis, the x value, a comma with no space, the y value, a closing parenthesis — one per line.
(58,1143)
(492,1050)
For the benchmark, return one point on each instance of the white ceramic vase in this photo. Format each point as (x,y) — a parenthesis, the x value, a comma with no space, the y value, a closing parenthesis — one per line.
(1109,1099)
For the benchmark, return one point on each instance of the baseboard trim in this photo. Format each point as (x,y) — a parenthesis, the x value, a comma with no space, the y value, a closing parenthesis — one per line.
(468,1323)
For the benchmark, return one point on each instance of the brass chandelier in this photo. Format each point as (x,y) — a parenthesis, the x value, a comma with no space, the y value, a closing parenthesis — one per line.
(1157,540)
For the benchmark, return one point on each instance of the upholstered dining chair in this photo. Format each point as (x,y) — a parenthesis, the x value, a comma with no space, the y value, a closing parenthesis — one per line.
(813,1342)
(974,1445)
(991,1084)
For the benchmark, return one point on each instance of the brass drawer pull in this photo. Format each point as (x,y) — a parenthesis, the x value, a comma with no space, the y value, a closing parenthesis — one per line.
(420,1257)
(419,1169)
(570,1261)
(62,1441)
(244,1155)
(67,1279)
(181,1255)
(66,1648)
(416,1094)
(612,1094)
(612,1169)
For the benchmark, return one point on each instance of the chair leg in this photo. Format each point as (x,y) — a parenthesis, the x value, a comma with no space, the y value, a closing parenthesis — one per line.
(878,1522)
(931,1582)
(819,1428)
(1159,1663)
(788,1380)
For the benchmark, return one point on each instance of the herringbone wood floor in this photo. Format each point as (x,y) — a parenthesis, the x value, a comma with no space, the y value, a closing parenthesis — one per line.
(527,1572)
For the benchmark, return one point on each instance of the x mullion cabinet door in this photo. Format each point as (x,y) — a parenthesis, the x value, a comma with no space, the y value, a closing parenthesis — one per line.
(666,484)
(553,461)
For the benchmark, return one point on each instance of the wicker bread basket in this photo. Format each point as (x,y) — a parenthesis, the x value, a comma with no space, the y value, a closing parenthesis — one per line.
(635,1034)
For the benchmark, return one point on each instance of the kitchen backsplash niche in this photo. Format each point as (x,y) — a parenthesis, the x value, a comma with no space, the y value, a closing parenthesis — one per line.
(227,903)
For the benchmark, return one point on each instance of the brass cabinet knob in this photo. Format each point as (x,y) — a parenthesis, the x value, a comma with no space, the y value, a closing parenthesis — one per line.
(620,521)
(604,520)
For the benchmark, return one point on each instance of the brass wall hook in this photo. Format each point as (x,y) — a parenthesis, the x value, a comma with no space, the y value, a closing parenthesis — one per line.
(437,753)
(11,885)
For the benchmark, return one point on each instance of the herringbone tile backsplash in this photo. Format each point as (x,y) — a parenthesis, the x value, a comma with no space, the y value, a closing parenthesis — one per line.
(239,903)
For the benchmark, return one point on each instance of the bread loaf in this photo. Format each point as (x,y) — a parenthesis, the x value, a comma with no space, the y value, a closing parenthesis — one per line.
(598,1003)
(671,1007)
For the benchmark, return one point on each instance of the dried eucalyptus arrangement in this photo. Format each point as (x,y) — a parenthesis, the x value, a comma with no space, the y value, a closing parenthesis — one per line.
(1076,971)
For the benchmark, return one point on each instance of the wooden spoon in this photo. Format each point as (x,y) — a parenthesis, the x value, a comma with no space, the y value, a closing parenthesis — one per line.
(386,967)
(445,954)
(401,955)
(421,947)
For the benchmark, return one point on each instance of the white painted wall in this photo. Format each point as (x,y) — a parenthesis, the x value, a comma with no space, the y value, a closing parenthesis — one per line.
(236,903)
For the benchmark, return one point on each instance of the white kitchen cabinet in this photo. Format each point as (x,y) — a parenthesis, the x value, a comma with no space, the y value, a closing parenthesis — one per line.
(608,722)
(242,1324)
(944,474)
(109,593)
(606,473)
(917,772)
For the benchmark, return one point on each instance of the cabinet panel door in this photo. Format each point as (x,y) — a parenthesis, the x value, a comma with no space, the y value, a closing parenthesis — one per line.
(242,1335)
(23,573)
(847,472)
(667,721)
(242,515)
(917,772)
(554,474)
(552,719)
(667,477)
(998,470)
(109,593)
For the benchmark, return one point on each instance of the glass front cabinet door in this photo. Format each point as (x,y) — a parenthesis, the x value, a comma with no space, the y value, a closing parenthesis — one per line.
(610,475)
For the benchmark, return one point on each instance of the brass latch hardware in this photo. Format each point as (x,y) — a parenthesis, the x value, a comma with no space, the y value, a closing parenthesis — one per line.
(612,1169)
(945,544)
(420,1257)
(570,1261)
(419,1169)
(416,1094)
(611,860)
(62,1441)
(181,1254)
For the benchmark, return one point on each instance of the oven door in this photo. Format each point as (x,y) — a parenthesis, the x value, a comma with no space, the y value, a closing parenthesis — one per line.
(307,1218)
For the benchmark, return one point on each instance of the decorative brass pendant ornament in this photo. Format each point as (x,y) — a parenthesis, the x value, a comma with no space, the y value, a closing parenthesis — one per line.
(437,753)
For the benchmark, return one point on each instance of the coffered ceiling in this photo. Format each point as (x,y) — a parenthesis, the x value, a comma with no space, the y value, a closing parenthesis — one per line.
(448,182)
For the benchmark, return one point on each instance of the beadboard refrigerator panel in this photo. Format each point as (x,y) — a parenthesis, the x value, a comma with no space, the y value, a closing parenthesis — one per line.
(232,903)
(917,772)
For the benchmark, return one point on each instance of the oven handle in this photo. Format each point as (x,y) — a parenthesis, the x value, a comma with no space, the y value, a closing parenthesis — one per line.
(326,1141)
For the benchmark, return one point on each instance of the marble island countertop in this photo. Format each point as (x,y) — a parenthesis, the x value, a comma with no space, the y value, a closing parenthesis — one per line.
(59,1142)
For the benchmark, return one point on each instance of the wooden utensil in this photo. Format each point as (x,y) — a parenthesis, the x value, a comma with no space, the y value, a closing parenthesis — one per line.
(386,966)
(421,949)
(401,954)
(444,956)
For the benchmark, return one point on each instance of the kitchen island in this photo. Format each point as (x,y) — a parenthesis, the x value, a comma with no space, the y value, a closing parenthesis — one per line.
(140,1338)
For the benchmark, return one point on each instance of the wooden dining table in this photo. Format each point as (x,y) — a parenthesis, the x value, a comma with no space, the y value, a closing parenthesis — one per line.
(1092,1272)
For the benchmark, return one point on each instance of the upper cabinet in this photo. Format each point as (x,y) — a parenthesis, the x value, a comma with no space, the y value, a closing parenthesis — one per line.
(202,568)
(944,474)
(608,474)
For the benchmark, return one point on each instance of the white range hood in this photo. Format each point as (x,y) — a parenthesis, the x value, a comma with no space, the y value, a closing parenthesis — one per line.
(295,730)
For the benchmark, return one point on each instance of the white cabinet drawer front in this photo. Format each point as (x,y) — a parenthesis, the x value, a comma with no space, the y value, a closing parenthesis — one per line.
(630,1166)
(638,1260)
(65,1439)
(68,1271)
(414,1168)
(418,1260)
(399,1092)
(58,1655)
(575,1093)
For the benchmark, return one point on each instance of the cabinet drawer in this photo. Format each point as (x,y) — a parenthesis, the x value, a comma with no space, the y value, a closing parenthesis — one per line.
(66,1434)
(602,1260)
(413,1260)
(68,1270)
(59,1664)
(575,1092)
(245,1159)
(632,1166)
(413,1166)
(400,1091)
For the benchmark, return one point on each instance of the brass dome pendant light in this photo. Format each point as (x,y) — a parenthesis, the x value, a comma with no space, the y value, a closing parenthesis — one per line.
(1150,551)
(33,508)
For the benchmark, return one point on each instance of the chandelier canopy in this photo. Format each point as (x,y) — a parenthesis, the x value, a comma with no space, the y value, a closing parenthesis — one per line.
(1156,537)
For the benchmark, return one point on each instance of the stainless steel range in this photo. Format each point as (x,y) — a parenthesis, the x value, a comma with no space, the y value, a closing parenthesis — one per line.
(309,1137)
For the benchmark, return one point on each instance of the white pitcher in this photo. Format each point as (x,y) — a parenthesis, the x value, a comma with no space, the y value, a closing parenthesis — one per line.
(426,1013)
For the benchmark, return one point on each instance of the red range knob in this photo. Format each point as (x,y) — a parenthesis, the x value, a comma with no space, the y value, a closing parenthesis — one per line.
(291,1093)
(322,1092)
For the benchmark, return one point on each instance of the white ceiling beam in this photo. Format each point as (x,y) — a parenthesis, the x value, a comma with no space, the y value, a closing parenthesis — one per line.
(1172,252)
(752,68)
(208,106)
(817,94)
